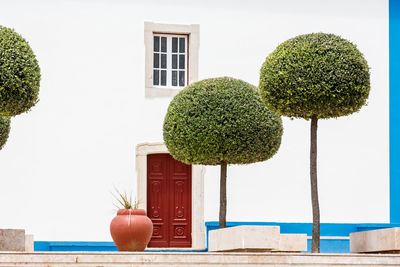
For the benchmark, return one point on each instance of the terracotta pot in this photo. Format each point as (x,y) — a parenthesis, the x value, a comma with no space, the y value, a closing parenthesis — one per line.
(131,230)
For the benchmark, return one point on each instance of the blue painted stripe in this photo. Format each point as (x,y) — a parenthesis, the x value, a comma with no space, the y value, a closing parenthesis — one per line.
(331,246)
(394,109)
(86,246)
(74,246)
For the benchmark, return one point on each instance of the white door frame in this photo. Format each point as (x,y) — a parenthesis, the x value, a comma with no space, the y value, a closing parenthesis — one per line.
(198,227)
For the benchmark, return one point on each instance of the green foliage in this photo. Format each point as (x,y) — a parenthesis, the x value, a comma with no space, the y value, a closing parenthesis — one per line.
(19,74)
(221,120)
(4,130)
(316,74)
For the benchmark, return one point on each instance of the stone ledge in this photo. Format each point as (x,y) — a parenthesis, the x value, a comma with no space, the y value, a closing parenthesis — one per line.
(255,238)
(292,243)
(29,243)
(376,241)
(12,240)
(191,259)
(250,238)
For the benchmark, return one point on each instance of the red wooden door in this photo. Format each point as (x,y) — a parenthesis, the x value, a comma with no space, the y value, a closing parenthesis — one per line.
(169,201)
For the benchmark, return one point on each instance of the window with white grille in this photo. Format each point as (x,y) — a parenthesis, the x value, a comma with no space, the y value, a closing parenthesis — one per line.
(170,60)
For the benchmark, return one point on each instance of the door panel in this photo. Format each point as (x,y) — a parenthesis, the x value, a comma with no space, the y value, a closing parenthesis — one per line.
(157,204)
(180,201)
(169,201)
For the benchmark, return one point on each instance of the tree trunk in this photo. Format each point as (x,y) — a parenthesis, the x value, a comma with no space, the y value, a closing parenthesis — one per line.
(222,196)
(314,186)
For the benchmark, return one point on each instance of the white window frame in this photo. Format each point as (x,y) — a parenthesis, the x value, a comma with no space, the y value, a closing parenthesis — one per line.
(192,32)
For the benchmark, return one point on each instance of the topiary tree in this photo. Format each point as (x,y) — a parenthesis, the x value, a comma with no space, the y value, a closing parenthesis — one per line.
(221,121)
(19,74)
(19,78)
(4,130)
(315,76)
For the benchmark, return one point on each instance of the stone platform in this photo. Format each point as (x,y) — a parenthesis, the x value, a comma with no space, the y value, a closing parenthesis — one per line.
(376,241)
(189,259)
(255,238)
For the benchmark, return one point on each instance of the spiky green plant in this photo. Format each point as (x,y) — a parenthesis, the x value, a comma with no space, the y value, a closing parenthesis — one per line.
(125,201)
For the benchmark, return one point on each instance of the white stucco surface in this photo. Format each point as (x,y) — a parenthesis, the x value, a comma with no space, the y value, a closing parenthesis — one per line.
(64,157)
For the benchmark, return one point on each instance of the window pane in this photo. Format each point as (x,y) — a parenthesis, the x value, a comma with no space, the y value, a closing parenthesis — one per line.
(181,78)
(156,78)
(163,61)
(181,45)
(156,43)
(174,62)
(163,44)
(163,77)
(182,62)
(156,61)
(174,44)
(174,78)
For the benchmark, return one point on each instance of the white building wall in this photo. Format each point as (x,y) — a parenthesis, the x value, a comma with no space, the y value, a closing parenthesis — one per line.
(64,157)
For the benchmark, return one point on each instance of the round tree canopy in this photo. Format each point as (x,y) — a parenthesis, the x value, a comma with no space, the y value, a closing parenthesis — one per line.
(221,120)
(318,74)
(19,74)
(4,130)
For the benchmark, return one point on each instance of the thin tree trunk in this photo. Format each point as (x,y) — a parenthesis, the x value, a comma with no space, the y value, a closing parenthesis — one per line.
(222,196)
(314,186)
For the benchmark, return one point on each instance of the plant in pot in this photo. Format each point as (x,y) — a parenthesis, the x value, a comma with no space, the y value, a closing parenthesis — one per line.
(131,229)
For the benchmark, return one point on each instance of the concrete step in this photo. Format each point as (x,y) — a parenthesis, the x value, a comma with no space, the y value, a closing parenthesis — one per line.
(164,259)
